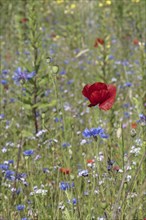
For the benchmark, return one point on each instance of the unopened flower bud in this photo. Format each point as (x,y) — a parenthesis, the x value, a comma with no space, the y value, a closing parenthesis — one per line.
(133,132)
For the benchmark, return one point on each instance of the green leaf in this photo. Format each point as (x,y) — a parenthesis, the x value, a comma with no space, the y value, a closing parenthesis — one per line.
(27,106)
(45,105)
(26,133)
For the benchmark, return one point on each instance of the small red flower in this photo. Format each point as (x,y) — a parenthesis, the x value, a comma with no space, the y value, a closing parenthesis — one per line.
(133,125)
(91,161)
(65,170)
(136,41)
(100,94)
(98,41)
(23,20)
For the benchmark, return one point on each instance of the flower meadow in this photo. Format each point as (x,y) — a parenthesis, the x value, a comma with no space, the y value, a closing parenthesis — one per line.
(73,110)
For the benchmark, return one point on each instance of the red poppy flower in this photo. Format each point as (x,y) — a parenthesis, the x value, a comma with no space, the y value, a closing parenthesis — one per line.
(65,170)
(136,41)
(133,125)
(100,94)
(98,41)
(91,161)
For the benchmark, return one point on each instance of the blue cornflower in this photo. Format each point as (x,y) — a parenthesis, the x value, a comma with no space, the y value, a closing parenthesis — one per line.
(28,152)
(73,201)
(18,191)
(4,167)
(22,75)
(66,61)
(63,72)
(24,218)
(126,105)
(93,132)
(70,81)
(126,114)
(64,145)
(66,185)
(20,207)
(12,100)
(57,119)
(142,117)
(9,174)
(103,135)
(111,57)
(125,63)
(142,120)
(11,161)
(5,72)
(2,116)
(128,84)
(4,82)
(21,176)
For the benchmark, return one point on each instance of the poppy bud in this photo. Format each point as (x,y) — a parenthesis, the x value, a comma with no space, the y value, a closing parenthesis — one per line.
(133,132)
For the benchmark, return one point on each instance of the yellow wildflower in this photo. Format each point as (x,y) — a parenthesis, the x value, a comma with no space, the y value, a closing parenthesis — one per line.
(135,1)
(100,5)
(59,1)
(108,2)
(73,6)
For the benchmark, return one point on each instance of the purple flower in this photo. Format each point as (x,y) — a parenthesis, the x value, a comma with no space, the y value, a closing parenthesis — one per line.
(125,63)
(5,72)
(64,145)
(142,120)
(73,201)
(11,161)
(2,116)
(63,72)
(21,176)
(70,81)
(20,207)
(4,82)
(66,185)
(22,75)
(28,152)
(128,84)
(12,100)
(9,174)
(4,167)
(93,132)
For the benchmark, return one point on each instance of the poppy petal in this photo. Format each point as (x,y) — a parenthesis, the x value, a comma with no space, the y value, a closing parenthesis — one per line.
(98,97)
(110,101)
(112,89)
(85,90)
(97,87)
